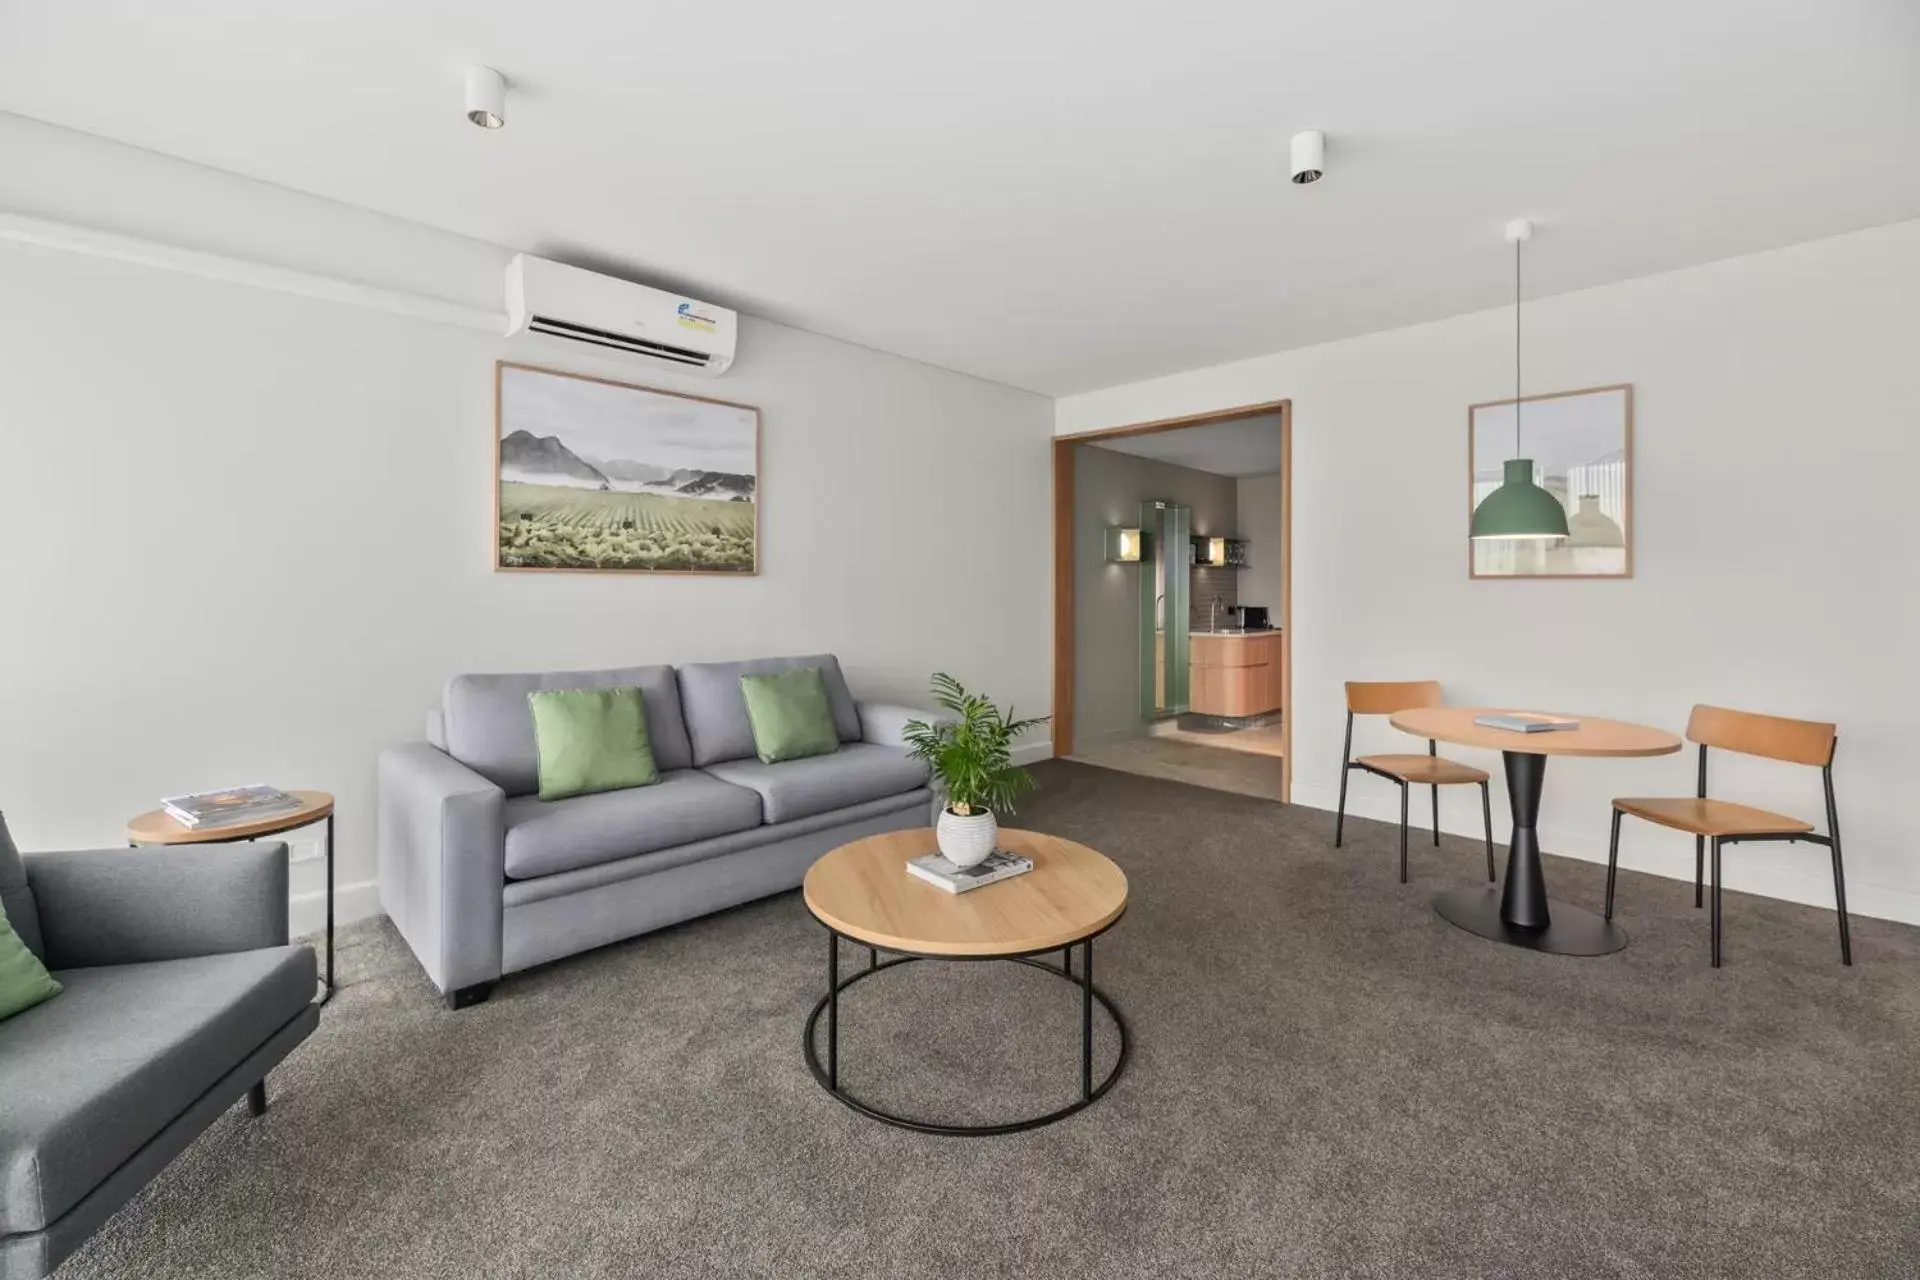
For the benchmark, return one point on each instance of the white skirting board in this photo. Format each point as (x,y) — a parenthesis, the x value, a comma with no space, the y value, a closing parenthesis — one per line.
(307,912)
(1814,888)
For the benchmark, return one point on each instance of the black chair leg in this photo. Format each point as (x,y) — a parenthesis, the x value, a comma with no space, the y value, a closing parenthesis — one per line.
(1840,904)
(1613,862)
(1340,821)
(1403,832)
(1715,926)
(257,1099)
(1436,814)
(1699,867)
(1486,815)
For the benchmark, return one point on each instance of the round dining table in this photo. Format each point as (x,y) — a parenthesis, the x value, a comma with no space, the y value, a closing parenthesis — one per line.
(1519,913)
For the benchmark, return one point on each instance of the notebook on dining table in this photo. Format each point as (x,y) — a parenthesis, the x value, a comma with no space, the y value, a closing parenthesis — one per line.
(1527,722)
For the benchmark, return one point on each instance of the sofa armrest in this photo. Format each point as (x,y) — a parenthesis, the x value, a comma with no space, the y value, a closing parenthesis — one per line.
(130,906)
(443,862)
(885,724)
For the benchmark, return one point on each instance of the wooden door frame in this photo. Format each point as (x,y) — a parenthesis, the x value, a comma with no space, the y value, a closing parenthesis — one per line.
(1063,630)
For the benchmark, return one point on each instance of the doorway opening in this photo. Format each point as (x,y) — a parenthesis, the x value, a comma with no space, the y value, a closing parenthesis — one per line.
(1172,590)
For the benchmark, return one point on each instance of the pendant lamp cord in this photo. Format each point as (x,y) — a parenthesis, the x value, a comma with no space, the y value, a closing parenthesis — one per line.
(1516,349)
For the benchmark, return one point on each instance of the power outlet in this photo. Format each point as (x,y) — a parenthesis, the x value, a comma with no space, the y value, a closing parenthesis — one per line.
(306,848)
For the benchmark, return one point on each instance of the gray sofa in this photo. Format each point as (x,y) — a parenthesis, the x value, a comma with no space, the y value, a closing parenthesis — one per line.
(181,993)
(483,878)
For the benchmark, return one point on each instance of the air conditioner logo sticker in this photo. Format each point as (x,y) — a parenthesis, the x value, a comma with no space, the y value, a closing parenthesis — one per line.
(692,316)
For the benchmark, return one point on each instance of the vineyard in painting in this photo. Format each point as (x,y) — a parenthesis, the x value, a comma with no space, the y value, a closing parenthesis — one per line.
(563,527)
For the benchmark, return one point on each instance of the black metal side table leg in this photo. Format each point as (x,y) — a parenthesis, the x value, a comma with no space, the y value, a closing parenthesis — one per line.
(1520,914)
(326,992)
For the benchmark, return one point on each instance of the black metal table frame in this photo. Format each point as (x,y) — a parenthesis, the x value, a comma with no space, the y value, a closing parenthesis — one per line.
(1520,914)
(829,1075)
(326,984)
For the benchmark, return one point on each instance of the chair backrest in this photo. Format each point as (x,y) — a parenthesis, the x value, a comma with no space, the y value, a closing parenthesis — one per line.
(1753,734)
(1384,697)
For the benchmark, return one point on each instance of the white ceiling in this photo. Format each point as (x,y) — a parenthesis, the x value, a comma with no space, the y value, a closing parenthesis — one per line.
(1059,195)
(1243,447)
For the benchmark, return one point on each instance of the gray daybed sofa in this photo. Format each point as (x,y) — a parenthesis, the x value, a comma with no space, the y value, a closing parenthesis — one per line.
(483,878)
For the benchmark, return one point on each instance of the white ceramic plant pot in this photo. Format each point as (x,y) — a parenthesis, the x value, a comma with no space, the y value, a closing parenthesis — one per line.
(966,841)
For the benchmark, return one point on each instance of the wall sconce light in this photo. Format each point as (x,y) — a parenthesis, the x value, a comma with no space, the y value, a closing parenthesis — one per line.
(1123,545)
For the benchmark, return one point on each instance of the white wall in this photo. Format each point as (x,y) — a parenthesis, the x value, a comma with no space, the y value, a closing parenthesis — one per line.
(1259,499)
(249,532)
(1774,492)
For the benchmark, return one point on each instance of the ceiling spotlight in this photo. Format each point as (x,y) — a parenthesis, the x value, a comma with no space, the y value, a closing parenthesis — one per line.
(486,97)
(1309,156)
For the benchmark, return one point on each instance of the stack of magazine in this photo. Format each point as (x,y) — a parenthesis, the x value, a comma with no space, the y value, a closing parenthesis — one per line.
(229,807)
(999,865)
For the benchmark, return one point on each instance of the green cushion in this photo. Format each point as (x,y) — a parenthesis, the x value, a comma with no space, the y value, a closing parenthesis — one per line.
(791,715)
(591,740)
(24,981)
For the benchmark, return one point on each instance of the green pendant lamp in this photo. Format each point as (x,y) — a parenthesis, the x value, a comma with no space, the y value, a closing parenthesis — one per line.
(1519,508)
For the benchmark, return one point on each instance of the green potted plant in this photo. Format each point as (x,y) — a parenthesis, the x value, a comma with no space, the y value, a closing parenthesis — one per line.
(970,752)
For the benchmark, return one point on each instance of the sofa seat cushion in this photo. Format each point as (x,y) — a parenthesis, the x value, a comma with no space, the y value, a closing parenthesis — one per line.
(584,880)
(88,1079)
(799,788)
(544,837)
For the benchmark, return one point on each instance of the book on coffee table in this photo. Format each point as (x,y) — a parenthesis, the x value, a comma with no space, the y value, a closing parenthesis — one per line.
(998,865)
(1527,722)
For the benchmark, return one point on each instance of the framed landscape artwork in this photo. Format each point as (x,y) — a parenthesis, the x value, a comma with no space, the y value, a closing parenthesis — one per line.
(607,477)
(1581,445)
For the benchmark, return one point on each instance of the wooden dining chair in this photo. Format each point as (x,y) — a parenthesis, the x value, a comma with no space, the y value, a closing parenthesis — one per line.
(1723,822)
(1383,698)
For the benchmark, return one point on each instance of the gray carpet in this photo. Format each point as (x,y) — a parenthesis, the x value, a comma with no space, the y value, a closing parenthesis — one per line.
(1327,1082)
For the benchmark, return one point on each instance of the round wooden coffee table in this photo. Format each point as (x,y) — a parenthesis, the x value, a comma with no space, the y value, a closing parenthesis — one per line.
(1519,914)
(156,827)
(861,891)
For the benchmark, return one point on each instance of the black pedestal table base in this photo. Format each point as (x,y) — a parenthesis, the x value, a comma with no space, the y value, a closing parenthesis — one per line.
(1521,914)
(1573,932)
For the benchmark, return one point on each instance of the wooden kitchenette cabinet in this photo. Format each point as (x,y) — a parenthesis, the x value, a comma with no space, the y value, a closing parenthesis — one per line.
(1235,675)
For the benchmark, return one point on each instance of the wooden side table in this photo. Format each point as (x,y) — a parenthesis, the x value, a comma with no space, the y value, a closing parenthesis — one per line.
(156,826)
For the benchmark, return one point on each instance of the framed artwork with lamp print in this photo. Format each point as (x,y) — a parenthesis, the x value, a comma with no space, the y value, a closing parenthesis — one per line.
(1581,447)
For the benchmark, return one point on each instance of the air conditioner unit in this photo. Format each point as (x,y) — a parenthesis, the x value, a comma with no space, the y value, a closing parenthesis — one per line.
(600,311)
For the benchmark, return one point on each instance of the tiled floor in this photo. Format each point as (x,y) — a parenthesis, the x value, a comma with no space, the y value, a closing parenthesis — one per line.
(1263,740)
(1181,760)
